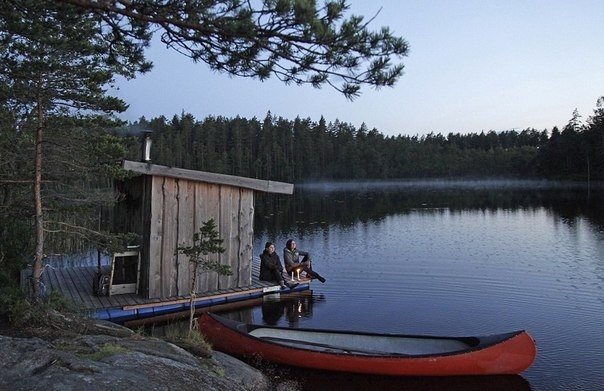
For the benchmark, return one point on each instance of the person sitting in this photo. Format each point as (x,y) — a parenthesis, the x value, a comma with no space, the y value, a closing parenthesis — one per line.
(291,256)
(271,268)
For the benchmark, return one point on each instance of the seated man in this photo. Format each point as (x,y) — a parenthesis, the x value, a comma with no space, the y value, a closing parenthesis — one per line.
(271,268)
(291,255)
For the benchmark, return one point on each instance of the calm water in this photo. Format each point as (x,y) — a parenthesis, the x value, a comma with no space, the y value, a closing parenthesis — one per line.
(448,258)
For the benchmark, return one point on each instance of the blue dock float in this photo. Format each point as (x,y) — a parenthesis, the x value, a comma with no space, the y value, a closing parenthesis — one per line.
(150,310)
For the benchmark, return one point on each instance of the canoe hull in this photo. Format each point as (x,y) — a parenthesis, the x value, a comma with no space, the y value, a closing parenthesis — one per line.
(510,355)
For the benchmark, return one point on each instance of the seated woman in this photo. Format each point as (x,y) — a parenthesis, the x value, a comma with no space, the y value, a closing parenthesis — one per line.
(291,256)
(271,268)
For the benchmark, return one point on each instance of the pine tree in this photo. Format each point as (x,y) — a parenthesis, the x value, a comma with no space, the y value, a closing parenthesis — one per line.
(206,242)
(55,66)
(295,41)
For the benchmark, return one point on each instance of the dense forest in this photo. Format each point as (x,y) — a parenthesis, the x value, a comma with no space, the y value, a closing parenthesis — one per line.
(302,150)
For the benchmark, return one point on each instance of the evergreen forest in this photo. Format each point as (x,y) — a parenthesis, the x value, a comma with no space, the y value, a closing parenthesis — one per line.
(303,150)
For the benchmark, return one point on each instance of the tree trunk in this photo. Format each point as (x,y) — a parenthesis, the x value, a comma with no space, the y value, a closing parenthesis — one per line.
(191,301)
(37,267)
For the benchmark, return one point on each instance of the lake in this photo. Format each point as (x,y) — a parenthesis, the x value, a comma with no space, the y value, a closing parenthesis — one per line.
(449,258)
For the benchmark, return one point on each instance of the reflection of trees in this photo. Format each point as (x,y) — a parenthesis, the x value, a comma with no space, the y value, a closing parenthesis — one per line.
(312,209)
(291,306)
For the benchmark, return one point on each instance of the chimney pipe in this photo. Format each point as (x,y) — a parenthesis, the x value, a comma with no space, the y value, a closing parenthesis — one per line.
(146,149)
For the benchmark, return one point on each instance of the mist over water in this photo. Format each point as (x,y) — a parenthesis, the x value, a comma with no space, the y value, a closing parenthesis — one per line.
(442,184)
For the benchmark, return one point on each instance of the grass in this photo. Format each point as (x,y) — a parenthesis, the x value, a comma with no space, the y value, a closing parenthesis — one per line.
(106,350)
(22,312)
(193,342)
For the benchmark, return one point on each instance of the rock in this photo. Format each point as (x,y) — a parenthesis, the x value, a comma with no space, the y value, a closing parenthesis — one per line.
(241,373)
(68,323)
(108,362)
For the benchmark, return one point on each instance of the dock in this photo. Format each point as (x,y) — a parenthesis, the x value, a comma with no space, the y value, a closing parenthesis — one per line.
(76,285)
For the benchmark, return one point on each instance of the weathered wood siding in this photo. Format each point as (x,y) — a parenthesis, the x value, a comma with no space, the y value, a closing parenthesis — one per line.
(246,230)
(208,206)
(178,209)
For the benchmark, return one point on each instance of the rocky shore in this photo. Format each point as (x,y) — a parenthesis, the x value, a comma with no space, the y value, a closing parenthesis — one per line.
(78,354)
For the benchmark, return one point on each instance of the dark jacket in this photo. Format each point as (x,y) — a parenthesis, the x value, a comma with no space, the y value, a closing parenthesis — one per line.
(270,266)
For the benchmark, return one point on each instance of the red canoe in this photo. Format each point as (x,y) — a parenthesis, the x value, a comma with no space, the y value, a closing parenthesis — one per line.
(370,353)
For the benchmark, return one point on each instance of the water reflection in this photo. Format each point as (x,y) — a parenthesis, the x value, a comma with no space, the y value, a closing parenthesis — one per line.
(313,206)
(319,380)
(291,307)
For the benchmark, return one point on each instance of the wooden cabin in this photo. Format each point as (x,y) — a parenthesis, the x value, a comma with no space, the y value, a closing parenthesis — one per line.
(165,206)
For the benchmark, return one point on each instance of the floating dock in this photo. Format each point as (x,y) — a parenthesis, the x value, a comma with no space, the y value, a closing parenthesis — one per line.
(76,285)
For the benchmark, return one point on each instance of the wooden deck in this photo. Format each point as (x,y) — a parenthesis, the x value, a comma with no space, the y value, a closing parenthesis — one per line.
(76,285)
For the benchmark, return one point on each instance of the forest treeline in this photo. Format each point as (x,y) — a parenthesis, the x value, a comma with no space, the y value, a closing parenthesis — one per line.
(302,150)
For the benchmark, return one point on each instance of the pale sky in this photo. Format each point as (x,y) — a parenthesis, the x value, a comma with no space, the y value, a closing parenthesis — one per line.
(473,65)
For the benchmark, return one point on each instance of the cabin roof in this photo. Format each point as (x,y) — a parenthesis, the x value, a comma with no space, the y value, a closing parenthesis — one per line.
(209,177)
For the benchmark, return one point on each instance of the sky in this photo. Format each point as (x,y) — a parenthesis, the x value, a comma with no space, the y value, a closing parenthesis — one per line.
(473,65)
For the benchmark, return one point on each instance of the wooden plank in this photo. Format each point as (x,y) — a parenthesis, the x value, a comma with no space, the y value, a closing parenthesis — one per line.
(229,202)
(130,211)
(82,286)
(89,273)
(255,270)
(207,207)
(106,302)
(246,235)
(145,222)
(50,278)
(129,299)
(119,300)
(155,237)
(99,301)
(66,285)
(209,177)
(122,289)
(169,270)
(186,229)
(111,273)
(202,199)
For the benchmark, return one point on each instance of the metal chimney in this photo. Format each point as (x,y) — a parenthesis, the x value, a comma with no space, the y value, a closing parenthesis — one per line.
(146,148)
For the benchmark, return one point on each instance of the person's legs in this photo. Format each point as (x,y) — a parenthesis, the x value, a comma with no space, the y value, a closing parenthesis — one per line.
(313,274)
(277,276)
